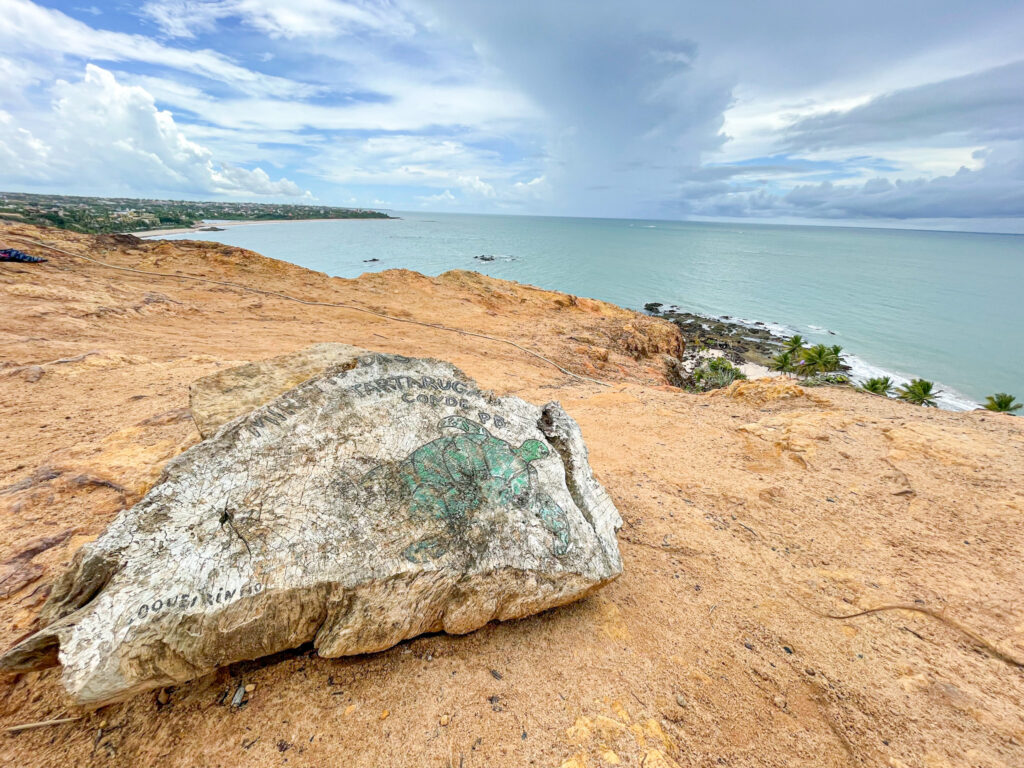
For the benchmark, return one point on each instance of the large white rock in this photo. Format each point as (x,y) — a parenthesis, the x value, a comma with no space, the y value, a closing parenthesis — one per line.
(383,498)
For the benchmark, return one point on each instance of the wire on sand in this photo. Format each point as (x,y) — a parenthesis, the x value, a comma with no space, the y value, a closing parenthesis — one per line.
(987,645)
(41,724)
(984,643)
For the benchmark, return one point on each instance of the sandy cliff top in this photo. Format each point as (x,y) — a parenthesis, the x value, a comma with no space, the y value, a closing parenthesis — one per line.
(748,514)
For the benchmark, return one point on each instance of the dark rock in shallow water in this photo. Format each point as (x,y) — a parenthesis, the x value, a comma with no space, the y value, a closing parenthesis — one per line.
(367,261)
(484,257)
(741,343)
(381,499)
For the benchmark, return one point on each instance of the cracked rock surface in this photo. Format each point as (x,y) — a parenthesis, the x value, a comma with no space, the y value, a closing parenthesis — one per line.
(383,498)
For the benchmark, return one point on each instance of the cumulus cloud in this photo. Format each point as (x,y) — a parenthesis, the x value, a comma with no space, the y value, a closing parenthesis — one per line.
(21,154)
(318,130)
(103,135)
(443,199)
(425,162)
(476,186)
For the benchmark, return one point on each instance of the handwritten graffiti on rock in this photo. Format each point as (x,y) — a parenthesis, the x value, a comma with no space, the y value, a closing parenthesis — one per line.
(436,401)
(415,389)
(275,416)
(387,384)
(184,601)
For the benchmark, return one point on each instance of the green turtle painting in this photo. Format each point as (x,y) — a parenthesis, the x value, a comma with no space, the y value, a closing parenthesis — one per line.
(451,477)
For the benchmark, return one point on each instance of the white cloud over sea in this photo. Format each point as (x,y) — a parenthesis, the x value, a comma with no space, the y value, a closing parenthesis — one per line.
(889,114)
(110,136)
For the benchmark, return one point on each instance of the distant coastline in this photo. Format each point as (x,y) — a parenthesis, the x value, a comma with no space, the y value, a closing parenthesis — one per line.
(113,215)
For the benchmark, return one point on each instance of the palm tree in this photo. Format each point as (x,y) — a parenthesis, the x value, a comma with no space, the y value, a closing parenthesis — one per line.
(795,343)
(1002,402)
(880,385)
(919,392)
(783,362)
(819,359)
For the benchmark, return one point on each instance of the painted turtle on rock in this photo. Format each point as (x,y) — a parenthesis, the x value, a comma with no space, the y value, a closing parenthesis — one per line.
(452,476)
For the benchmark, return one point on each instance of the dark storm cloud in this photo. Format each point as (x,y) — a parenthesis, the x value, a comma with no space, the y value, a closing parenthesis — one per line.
(982,106)
(995,190)
(629,102)
(636,95)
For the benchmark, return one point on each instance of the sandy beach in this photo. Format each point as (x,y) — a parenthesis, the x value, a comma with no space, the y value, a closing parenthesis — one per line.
(158,233)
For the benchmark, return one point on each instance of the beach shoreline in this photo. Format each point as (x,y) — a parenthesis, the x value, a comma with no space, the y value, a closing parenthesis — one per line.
(222,224)
(750,345)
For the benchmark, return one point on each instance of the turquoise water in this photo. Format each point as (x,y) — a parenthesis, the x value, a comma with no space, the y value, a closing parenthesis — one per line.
(945,306)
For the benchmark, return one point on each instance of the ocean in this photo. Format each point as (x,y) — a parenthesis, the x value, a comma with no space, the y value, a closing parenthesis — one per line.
(944,306)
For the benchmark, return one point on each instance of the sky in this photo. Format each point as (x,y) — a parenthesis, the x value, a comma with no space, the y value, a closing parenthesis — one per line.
(898,113)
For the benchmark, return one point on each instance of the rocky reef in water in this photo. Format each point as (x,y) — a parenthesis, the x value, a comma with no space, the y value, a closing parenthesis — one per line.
(740,342)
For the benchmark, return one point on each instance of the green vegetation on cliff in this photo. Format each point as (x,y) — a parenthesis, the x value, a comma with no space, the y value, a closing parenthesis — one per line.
(97,215)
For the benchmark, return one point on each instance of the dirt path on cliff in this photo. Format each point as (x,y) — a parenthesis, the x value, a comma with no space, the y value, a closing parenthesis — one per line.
(748,514)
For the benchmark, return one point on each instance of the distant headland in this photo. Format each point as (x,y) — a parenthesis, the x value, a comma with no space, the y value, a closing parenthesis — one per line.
(101,215)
